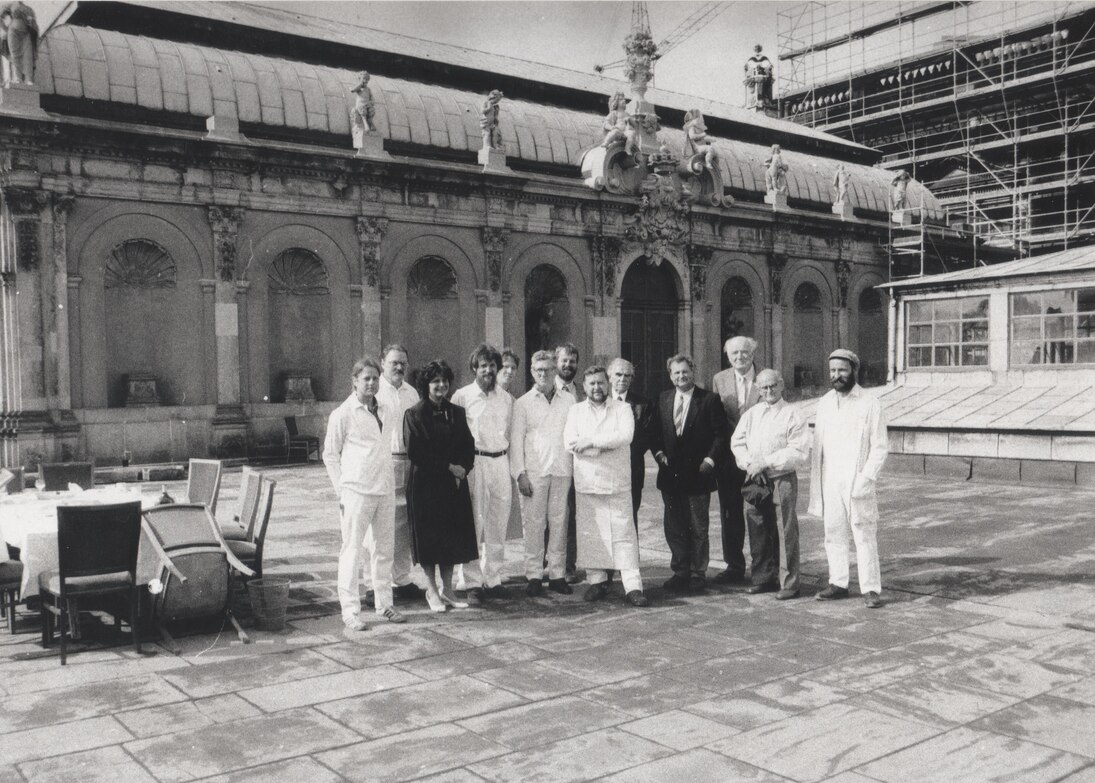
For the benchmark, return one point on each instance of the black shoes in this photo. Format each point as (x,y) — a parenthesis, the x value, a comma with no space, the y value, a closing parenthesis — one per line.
(636,598)
(832,593)
(678,583)
(560,586)
(596,592)
(729,577)
(786,595)
(409,592)
(370,599)
(474,597)
(496,592)
(697,584)
(535,588)
(763,587)
(574,577)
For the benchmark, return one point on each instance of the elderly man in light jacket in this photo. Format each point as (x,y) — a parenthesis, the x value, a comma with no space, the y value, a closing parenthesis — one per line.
(850,447)
(598,433)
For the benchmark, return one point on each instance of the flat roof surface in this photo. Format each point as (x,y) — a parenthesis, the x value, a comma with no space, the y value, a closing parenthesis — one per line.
(1077,259)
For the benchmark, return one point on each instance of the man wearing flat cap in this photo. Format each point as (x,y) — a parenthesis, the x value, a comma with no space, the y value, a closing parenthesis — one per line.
(850,447)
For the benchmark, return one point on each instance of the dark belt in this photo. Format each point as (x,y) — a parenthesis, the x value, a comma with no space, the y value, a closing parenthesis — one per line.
(501,453)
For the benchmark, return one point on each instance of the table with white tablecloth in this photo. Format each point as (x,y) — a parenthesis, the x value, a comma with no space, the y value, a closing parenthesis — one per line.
(28,520)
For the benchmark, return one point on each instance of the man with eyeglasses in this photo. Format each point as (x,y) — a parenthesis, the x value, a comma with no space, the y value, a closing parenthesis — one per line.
(770,443)
(621,373)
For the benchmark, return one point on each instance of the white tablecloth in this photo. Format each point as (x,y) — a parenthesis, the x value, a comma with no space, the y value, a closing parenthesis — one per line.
(28,520)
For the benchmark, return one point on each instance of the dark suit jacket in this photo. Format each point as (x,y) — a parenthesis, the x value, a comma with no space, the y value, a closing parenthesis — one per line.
(704,436)
(644,419)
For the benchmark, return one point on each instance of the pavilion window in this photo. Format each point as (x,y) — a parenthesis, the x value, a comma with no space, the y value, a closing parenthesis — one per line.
(1053,327)
(948,332)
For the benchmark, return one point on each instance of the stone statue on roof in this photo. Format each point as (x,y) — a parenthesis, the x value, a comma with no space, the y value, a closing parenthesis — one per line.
(619,125)
(899,187)
(363,110)
(696,141)
(841,180)
(775,172)
(19,42)
(759,76)
(488,120)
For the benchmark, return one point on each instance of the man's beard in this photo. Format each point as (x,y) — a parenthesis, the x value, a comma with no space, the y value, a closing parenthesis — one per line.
(844,384)
(598,396)
(567,373)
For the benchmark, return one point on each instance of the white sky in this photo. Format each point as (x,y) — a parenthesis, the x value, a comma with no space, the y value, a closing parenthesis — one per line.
(578,35)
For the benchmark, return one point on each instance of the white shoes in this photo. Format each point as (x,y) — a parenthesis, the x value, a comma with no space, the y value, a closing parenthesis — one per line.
(355,624)
(434,601)
(451,601)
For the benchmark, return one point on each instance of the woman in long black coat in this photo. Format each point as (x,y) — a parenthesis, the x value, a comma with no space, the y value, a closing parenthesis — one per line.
(441,451)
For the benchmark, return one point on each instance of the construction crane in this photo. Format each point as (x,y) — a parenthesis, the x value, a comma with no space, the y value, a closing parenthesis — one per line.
(640,22)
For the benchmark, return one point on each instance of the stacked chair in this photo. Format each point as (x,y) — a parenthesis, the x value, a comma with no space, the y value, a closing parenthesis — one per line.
(56,476)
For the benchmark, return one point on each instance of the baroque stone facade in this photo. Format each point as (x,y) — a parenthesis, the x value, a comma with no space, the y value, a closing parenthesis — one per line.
(287,262)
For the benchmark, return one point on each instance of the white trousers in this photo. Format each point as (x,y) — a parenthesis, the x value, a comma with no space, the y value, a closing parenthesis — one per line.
(367,524)
(847,518)
(547,508)
(491,496)
(629,576)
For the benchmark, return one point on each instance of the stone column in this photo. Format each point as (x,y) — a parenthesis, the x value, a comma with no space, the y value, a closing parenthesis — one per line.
(605,255)
(73,336)
(243,287)
(229,435)
(494,245)
(699,259)
(60,385)
(370,233)
(840,313)
(776,265)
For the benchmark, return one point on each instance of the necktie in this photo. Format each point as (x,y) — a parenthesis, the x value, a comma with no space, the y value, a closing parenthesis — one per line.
(678,415)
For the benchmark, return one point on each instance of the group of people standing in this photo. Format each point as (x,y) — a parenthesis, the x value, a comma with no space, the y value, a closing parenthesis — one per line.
(433,479)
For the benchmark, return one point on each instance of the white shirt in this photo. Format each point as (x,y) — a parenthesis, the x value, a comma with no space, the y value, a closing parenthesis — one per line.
(356,451)
(489,415)
(850,448)
(402,399)
(775,433)
(536,435)
(571,387)
(604,469)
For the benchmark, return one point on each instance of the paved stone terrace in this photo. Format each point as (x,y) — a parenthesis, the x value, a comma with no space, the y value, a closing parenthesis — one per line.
(980,667)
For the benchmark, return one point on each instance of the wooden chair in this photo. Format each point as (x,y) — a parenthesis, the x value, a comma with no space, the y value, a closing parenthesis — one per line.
(97,558)
(296,443)
(244,521)
(196,574)
(11,580)
(249,551)
(17,482)
(58,475)
(203,483)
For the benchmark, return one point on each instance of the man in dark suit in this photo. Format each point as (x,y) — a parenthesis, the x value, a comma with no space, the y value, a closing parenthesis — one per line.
(737,388)
(689,439)
(620,375)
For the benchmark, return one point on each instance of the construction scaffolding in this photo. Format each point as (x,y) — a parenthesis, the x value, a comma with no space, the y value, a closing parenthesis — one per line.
(990,104)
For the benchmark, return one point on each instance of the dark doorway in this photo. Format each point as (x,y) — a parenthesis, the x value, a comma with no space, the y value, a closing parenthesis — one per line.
(648,324)
(547,311)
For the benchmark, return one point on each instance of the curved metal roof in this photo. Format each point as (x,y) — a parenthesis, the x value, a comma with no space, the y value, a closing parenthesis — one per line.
(103,65)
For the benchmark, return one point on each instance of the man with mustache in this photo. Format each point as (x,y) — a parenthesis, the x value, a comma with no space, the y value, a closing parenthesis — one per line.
(598,433)
(850,447)
(400,397)
(489,410)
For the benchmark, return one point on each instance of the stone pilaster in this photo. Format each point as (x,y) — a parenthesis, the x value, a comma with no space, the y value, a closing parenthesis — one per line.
(370,234)
(840,324)
(494,246)
(605,255)
(229,436)
(776,264)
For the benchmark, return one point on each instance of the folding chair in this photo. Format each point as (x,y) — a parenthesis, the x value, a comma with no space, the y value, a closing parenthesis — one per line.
(244,520)
(249,551)
(297,443)
(97,557)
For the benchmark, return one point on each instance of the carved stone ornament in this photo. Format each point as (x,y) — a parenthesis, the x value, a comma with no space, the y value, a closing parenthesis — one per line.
(225,222)
(843,278)
(25,202)
(141,391)
(28,248)
(776,265)
(699,260)
(494,243)
(139,263)
(606,261)
(298,387)
(370,233)
(661,220)
(640,50)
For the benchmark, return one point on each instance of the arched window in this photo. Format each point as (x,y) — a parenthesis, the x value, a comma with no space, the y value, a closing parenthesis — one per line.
(737,312)
(432,330)
(299,318)
(547,309)
(143,311)
(431,278)
(809,325)
(872,338)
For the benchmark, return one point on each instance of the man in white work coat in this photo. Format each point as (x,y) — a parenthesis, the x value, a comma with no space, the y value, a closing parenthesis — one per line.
(850,447)
(598,433)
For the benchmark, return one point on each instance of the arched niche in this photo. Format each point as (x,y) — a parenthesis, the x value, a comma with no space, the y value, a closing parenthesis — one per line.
(547,309)
(300,316)
(809,322)
(871,336)
(298,294)
(650,315)
(137,310)
(433,306)
(738,306)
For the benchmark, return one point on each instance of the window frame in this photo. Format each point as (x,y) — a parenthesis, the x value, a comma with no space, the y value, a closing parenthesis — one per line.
(958,344)
(1072,340)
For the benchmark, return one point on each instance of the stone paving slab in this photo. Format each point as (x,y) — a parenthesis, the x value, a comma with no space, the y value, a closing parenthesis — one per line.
(981,667)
